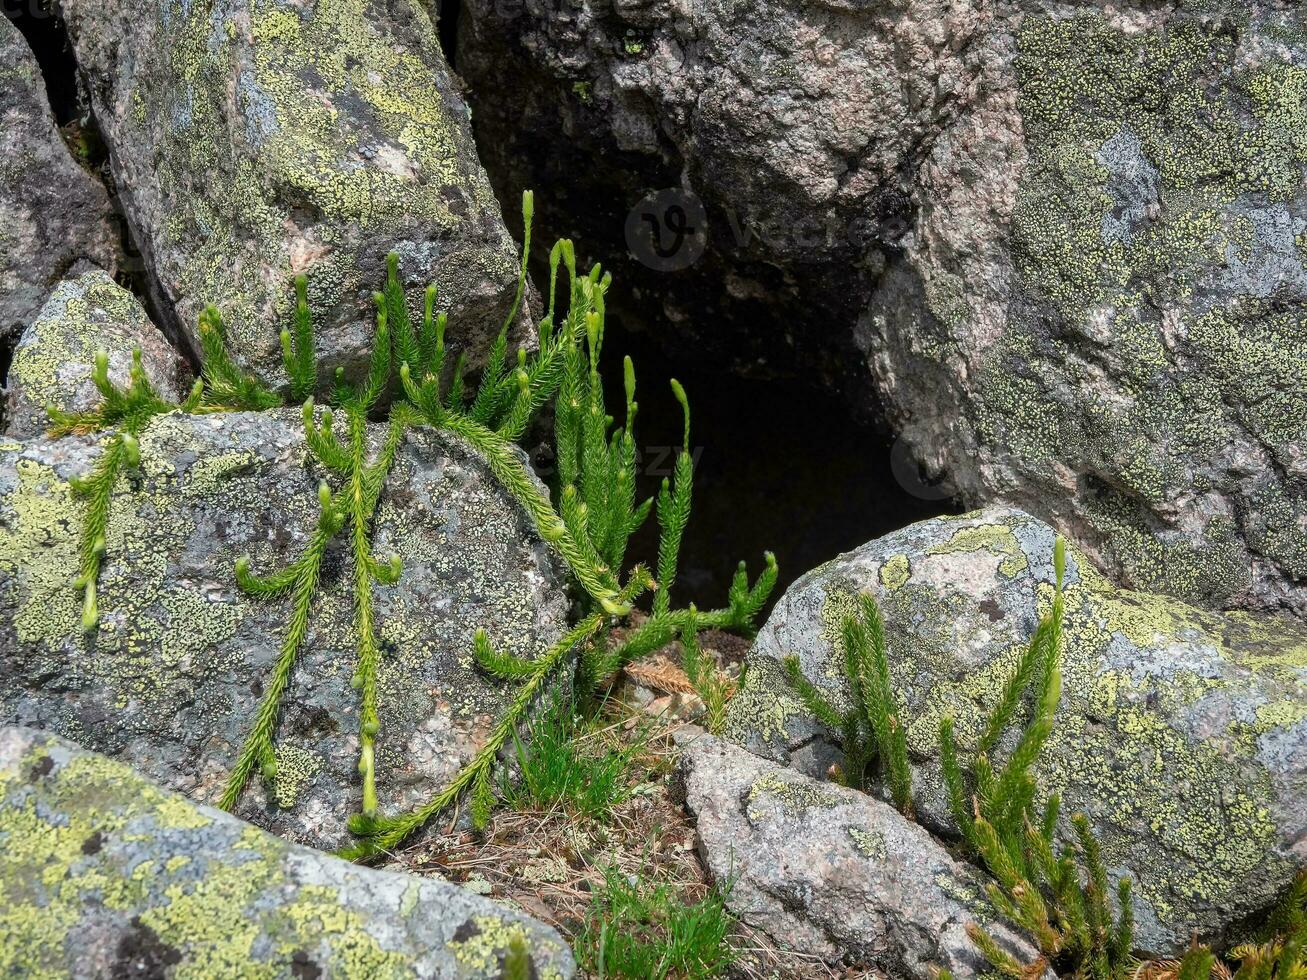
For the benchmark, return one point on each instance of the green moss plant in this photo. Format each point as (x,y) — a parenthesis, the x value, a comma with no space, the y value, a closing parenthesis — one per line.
(124,412)
(871,729)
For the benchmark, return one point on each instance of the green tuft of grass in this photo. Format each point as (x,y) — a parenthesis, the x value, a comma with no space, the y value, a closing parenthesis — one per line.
(639,931)
(564,763)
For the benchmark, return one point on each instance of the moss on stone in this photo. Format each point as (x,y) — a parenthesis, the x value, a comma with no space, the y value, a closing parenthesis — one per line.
(1157,160)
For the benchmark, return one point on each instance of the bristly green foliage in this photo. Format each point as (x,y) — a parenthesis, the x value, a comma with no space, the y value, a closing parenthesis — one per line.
(351,508)
(517,961)
(590,529)
(636,931)
(711,684)
(558,766)
(125,411)
(594,519)
(226,385)
(1003,797)
(871,729)
(1060,895)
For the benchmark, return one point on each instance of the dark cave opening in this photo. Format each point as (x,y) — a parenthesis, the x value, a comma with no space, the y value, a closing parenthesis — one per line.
(46,35)
(447,15)
(8,343)
(780,466)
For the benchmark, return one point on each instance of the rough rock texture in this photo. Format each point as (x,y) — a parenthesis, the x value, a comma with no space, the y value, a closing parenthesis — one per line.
(1068,241)
(55,355)
(796,125)
(170,681)
(55,217)
(832,872)
(1181,733)
(258,140)
(106,875)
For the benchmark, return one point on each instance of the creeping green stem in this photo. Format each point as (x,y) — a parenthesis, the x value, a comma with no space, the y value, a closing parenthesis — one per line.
(257,749)
(382,835)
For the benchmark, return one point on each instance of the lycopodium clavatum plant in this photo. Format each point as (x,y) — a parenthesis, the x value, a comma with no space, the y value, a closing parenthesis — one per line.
(871,728)
(1058,894)
(409,382)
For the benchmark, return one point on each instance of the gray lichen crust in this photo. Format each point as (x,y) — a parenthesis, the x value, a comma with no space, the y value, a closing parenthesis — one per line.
(1103,318)
(171,679)
(53,361)
(104,874)
(260,139)
(833,873)
(1182,733)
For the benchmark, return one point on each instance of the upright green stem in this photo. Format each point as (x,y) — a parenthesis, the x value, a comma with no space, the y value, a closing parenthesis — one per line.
(369,653)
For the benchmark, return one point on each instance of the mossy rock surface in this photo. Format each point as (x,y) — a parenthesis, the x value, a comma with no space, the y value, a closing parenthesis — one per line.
(259,139)
(54,357)
(105,874)
(54,216)
(171,678)
(1102,317)
(833,873)
(1182,733)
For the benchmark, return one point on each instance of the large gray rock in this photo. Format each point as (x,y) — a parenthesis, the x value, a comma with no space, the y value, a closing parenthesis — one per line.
(255,141)
(170,680)
(1182,733)
(1102,315)
(107,875)
(55,355)
(1063,245)
(54,216)
(834,873)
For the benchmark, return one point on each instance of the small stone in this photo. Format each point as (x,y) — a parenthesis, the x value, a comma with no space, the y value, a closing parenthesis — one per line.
(834,873)
(55,355)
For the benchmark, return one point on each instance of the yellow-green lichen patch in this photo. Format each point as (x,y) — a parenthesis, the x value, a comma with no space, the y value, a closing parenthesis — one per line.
(296,765)
(38,547)
(488,943)
(995,538)
(795,794)
(895,572)
(839,605)
(763,705)
(869,843)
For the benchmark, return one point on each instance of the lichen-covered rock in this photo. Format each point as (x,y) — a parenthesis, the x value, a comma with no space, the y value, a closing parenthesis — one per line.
(1067,241)
(54,216)
(255,140)
(104,874)
(170,680)
(1182,733)
(55,355)
(835,873)
(1102,315)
